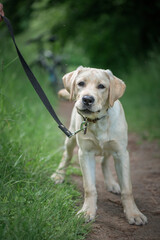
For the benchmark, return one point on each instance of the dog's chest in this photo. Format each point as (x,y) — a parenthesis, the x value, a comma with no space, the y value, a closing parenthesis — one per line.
(101,132)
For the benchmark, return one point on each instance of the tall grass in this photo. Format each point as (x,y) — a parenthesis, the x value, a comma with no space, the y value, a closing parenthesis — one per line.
(31,206)
(141,100)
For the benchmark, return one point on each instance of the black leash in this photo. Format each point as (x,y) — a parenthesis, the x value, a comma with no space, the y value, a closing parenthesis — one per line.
(35,83)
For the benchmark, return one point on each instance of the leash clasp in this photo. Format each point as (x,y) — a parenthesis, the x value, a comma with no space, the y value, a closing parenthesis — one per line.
(83,127)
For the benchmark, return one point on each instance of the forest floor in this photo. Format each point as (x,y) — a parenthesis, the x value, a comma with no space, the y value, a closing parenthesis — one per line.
(110,223)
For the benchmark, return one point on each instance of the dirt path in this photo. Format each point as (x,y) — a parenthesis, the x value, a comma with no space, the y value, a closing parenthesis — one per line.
(110,223)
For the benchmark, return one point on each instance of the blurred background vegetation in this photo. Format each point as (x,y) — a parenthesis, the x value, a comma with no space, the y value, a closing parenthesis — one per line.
(121,35)
(111,33)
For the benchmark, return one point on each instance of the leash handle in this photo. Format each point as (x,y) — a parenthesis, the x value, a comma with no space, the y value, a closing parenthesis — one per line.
(35,82)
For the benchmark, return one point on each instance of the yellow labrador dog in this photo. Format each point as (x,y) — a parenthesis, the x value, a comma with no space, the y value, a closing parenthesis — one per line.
(96,93)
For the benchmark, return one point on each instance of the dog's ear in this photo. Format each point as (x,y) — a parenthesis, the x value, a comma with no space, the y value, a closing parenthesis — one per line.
(69,81)
(116,89)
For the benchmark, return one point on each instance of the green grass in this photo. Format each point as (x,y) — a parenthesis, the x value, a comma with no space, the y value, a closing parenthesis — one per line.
(141,100)
(31,206)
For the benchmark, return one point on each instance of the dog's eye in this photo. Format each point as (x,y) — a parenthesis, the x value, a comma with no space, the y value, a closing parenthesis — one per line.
(101,86)
(81,84)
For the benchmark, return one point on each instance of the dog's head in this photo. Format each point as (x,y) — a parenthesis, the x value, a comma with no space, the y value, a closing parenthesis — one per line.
(94,90)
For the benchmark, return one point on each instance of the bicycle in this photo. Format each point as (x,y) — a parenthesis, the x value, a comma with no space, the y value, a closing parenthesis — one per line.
(47,60)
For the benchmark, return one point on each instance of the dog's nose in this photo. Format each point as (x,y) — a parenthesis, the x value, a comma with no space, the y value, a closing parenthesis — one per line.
(88,100)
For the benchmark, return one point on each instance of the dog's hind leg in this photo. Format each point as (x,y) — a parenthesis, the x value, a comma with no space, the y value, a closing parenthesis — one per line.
(59,175)
(111,184)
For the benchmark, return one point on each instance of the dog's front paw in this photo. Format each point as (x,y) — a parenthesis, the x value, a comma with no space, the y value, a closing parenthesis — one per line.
(114,188)
(57,178)
(88,213)
(136,218)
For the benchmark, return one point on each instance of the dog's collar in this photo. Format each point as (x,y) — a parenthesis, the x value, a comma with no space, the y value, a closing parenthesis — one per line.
(85,122)
(92,120)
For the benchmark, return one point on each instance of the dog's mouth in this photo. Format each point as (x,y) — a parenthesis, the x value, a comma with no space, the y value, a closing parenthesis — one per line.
(87,111)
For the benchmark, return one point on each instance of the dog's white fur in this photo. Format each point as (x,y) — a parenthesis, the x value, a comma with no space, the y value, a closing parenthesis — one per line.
(108,136)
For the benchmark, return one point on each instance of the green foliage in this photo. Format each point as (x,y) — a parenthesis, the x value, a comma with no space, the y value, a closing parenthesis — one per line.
(19,13)
(31,205)
(110,33)
(142,97)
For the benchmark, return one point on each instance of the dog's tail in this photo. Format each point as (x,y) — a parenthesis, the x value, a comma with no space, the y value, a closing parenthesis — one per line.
(64,94)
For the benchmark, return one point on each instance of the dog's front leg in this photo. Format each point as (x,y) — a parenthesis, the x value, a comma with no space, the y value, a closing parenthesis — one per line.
(87,163)
(133,215)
